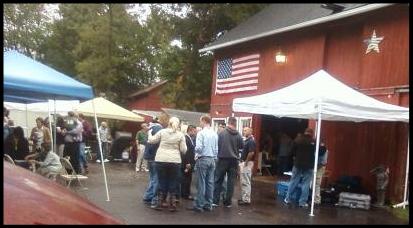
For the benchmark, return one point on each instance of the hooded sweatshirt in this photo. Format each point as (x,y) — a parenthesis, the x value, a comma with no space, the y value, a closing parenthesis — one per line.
(229,143)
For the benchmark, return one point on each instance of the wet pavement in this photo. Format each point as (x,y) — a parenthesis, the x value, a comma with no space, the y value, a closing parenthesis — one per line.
(126,189)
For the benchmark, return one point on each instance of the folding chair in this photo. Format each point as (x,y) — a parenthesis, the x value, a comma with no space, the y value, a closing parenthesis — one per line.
(9,159)
(264,166)
(73,175)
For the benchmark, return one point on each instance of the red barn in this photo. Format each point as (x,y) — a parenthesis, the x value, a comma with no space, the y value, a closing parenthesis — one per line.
(336,38)
(148,98)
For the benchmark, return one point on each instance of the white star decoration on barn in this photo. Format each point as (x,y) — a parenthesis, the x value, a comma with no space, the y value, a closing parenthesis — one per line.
(373,43)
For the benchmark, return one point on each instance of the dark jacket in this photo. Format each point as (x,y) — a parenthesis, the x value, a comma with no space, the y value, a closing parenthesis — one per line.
(229,144)
(150,149)
(18,153)
(189,156)
(303,152)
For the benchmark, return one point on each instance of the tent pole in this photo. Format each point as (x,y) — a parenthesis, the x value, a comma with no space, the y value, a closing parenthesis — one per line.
(55,126)
(100,150)
(316,159)
(50,123)
(405,201)
(27,123)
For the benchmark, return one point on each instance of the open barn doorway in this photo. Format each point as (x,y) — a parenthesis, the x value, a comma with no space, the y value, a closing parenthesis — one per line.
(277,135)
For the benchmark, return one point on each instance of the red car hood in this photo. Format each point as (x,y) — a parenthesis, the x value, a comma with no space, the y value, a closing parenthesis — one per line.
(33,199)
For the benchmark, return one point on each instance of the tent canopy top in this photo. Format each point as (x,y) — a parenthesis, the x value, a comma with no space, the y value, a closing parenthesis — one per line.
(107,109)
(322,93)
(26,78)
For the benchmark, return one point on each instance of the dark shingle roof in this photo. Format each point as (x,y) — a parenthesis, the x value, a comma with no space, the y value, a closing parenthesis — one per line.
(147,89)
(275,17)
(186,117)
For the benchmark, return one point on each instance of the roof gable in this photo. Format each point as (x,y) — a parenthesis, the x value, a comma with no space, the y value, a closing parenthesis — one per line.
(284,17)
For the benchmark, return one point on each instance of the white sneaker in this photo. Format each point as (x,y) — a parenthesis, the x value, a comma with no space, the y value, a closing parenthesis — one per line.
(98,161)
(106,160)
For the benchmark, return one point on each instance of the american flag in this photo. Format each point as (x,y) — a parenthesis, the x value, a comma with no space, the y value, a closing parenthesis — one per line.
(239,74)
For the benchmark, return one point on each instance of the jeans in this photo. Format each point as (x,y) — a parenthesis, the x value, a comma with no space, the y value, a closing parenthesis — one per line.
(105,149)
(204,170)
(82,156)
(305,176)
(225,166)
(151,191)
(72,150)
(168,177)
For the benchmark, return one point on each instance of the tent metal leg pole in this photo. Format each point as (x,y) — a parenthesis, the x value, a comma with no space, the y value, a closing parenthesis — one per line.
(27,123)
(55,126)
(100,151)
(50,123)
(315,161)
(405,201)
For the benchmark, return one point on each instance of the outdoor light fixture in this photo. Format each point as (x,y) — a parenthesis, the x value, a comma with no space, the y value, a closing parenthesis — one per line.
(280,57)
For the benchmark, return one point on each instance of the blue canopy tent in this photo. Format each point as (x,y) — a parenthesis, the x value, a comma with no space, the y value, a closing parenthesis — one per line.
(29,81)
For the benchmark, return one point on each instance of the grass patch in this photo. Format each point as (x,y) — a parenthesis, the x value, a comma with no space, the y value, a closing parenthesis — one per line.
(401,213)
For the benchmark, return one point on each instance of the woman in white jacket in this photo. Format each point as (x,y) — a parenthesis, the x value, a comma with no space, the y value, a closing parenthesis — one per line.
(168,161)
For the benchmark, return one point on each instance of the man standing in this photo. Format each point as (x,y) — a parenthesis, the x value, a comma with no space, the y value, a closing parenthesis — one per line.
(141,140)
(229,144)
(73,137)
(303,153)
(86,134)
(206,150)
(149,197)
(188,162)
(246,166)
(321,167)
(104,138)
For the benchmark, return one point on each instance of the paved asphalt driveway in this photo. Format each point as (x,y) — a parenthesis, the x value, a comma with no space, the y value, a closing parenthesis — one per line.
(126,188)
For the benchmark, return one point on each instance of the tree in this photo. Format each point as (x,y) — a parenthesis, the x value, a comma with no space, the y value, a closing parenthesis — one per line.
(188,71)
(26,26)
(101,45)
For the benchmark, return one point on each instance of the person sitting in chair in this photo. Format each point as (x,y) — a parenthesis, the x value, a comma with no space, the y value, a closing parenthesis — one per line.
(48,161)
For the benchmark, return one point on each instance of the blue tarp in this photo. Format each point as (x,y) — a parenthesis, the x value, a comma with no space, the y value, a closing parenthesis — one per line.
(27,81)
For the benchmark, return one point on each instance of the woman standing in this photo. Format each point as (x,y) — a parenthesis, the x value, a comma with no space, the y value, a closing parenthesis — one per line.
(40,134)
(168,161)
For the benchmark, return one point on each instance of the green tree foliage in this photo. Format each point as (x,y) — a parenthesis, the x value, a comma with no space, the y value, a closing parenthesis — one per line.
(188,71)
(25,28)
(103,46)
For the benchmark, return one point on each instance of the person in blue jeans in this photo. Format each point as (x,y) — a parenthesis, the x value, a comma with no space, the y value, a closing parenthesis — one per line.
(206,150)
(229,144)
(150,195)
(303,153)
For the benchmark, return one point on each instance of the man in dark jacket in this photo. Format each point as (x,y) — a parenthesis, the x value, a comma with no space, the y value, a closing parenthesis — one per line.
(229,145)
(188,162)
(149,196)
(303,154)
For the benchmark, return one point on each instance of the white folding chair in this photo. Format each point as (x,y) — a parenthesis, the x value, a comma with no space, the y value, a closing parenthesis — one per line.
(9,159)
(69,177)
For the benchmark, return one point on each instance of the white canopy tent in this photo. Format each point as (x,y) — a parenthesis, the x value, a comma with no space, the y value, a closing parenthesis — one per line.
(107,109)
(322,97)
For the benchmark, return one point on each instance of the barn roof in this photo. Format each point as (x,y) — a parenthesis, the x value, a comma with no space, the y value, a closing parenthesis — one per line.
(147,89)
(277,18)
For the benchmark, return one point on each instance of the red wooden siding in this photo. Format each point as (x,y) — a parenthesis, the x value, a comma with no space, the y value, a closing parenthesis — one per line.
(338,47)
(150,101)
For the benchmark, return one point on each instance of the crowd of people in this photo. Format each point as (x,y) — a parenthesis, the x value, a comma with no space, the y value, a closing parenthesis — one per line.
(72,132)
(174,153)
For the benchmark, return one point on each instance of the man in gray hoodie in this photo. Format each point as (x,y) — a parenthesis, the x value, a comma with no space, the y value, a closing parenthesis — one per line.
(229,145)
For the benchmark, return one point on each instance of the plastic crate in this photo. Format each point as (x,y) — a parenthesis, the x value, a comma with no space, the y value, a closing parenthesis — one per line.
(281,188)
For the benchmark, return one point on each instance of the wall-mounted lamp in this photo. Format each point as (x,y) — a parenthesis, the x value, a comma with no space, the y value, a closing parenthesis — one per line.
(280,57)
